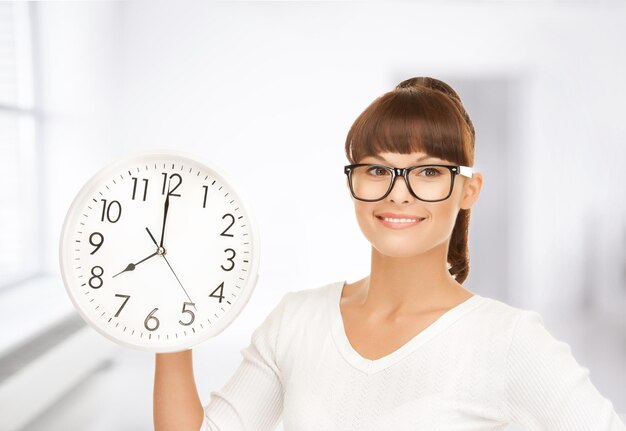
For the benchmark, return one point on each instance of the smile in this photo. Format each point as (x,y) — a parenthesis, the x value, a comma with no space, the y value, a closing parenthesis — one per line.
(398,223)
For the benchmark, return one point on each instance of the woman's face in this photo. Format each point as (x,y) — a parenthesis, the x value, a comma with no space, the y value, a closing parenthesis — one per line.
(437,218)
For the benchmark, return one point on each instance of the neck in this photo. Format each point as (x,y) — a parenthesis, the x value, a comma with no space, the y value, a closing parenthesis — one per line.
(405,285)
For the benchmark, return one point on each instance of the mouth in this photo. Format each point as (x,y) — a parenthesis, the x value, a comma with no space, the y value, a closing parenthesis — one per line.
(399,222)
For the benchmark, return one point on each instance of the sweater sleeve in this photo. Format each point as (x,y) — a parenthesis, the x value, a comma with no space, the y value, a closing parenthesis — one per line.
(547,389)
(252,399)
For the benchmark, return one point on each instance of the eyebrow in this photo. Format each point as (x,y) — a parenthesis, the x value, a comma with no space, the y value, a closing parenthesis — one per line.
(419,159)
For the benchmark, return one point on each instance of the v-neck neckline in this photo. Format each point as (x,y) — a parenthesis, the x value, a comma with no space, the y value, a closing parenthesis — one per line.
(371,366)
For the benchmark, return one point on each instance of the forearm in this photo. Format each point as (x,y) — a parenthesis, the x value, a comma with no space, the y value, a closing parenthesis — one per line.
(177,405)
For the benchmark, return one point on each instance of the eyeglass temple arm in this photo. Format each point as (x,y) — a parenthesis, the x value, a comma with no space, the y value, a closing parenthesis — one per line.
(466,171)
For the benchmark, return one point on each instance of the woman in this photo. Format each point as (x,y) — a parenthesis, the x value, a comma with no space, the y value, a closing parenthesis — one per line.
(407,347)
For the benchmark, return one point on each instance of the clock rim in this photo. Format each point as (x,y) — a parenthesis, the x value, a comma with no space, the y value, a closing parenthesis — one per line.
(247,289)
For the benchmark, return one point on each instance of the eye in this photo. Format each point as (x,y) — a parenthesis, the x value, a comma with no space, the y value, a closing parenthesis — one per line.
(377,171)
(430,172)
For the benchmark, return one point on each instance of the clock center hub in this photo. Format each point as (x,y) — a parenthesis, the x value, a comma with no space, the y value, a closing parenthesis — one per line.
(161,251)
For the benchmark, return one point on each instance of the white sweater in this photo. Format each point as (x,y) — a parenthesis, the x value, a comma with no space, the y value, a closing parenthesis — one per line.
(481,366)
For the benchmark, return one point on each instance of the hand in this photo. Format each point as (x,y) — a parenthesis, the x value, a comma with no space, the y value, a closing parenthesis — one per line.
(165,210)
(172,269)
(131,266)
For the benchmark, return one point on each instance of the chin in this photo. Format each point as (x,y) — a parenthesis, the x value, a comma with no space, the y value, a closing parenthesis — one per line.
(399,248)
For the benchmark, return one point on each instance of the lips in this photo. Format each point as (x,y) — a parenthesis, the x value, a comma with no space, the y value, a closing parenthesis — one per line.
(401,220)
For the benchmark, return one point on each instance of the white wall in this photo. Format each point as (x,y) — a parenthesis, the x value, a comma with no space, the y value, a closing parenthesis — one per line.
(78,73)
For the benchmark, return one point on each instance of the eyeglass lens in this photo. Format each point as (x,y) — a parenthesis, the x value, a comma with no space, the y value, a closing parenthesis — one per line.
(427,182)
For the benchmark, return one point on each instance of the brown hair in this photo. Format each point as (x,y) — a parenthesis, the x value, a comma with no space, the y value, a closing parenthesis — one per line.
(420,114)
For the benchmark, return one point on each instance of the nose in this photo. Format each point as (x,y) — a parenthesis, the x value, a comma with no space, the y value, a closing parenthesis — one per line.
(399,193)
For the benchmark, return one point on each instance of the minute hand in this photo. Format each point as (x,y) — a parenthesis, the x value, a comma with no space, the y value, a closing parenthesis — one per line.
(165,209)
(172,269)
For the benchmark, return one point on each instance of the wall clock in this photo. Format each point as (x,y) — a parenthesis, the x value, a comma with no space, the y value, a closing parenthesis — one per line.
(159,252)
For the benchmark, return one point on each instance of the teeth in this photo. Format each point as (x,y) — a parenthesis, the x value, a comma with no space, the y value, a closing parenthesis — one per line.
(400,220)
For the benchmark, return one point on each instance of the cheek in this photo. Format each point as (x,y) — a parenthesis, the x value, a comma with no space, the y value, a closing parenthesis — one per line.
(364,216)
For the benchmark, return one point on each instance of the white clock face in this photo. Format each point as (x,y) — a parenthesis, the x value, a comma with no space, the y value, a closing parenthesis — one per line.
(158,252)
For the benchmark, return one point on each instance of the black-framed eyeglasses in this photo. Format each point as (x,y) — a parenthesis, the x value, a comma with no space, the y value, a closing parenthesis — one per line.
(429,183)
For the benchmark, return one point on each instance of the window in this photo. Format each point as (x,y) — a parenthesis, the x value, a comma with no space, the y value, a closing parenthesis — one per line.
(20,175)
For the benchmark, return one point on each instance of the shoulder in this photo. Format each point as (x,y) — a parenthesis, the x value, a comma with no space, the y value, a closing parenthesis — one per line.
(494,325)
(312,298)
(522,330)
(304,318)
(300,306)
(523,324)
(495,315)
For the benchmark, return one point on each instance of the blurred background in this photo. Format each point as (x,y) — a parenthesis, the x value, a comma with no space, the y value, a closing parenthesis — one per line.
(254,87)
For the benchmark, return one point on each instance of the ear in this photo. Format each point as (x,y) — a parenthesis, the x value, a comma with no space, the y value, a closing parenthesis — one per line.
(471,190)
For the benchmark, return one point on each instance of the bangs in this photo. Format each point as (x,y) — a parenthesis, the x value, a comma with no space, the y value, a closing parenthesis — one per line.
(408,120)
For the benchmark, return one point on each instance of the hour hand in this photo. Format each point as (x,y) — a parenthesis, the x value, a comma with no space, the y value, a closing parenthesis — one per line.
(131,266)
(152,237)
